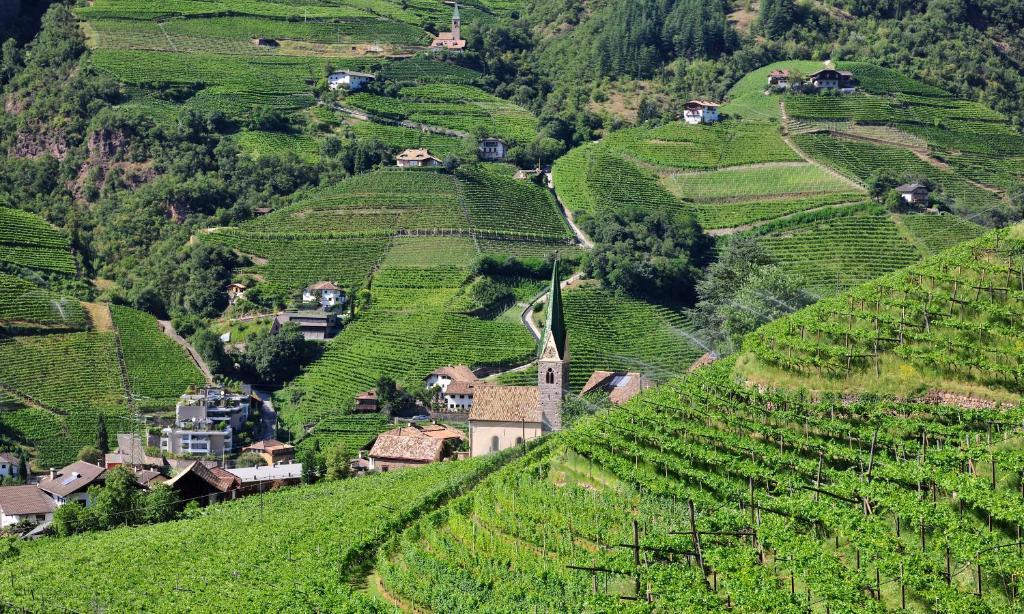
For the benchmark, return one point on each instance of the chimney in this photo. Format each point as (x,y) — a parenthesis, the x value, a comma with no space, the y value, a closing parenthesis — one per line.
(53,473)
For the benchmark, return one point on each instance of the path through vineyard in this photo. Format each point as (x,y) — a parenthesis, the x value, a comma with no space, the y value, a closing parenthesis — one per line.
(168,329)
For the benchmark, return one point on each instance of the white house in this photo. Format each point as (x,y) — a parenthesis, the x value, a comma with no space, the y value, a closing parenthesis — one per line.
(913,193)
(492,149)
(8,465)
(446,375)
(25,504)
(71,484)
(325,293)
(349,79)
(412,158)
(832,79)
(700,112)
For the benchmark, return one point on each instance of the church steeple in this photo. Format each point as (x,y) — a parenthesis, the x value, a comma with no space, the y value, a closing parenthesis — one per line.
(456,23)
(554,328)
(553,359)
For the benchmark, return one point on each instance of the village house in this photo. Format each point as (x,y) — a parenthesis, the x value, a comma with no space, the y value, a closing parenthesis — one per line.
(203,484)
(830,79)
(779,78)
(700,112)
(459,395)
(236,292)
(452,437)
(451,41)
(8,465)
(405,446)
(415,158)
(505,416)
(455,385)
(314,325)
(325,293)
(349,79)
(444,376)
(914,194)
(272,451)
(492,149)
(253,480)
(366,402)
(71,484)
(620,386)
(24,505)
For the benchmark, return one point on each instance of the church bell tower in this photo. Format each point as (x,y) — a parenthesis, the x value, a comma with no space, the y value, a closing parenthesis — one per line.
(456,23)
(553,360)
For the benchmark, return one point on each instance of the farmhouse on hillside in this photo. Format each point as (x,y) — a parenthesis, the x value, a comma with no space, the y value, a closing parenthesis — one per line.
(914,193)
(314,325)
(413,158)
(72,482)
(620,386)
(456,384)
(700,112)
(325,293)
(505,416)
(235,292)
(779,78)
(830,79)
(366,402)
(24,504)
(349,79)
(8,465)
(492,149)
(451,41)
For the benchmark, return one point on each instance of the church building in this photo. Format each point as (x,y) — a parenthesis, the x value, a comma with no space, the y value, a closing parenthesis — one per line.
(450,40)
(505,416)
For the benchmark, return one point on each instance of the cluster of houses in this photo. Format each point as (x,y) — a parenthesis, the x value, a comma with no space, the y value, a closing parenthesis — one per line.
(824,80)
(202,481)
(207,422)
(502,416)
(489,149)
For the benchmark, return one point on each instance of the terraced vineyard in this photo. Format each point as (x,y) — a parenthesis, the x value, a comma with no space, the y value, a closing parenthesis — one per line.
(609,332)
(951,322)
(259,143)
(748,183)
(456,107)
(159,370)
(935,233)
(22,302)
(845,249)
(66,381)
(29,242)
(326,531)
(861,160)
(399,138)
(524,206)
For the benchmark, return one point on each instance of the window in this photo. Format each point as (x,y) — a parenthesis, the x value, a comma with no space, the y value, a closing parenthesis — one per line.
(549,377)
(494,443)
(519,440)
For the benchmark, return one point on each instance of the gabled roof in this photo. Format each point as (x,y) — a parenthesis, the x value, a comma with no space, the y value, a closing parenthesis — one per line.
(408,444)
(779,73)
(353,73)
(457,373)
(460,387)
(442,432)
(23,500)
(701,103)
(216,477)
(416,154)
(621,386)
(554,329)
(7,457)
(505,404)
(267,445)
(265,473)
(71,479)
(369,395)
(323,285)
(910,187)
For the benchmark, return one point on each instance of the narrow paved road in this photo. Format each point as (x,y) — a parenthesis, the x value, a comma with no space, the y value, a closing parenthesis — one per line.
(580,235)
(168,329)
(527,313)
(268,415)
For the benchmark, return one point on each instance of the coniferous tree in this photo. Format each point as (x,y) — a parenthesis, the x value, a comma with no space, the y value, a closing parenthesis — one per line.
(102,442)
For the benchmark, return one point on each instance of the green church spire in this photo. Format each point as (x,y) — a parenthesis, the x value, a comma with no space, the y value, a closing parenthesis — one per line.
(554,330)
(455,13)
